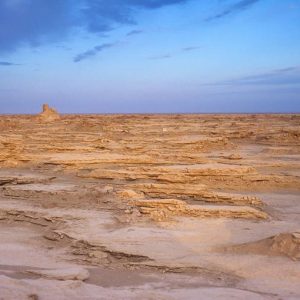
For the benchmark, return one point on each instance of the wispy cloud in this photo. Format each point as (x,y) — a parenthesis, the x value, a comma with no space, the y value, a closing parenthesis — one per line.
(63,47)
(8,64)
(134,32)
(286,76)
(175,53)
(234,8)
(162,56)
(92,52)
(190,48)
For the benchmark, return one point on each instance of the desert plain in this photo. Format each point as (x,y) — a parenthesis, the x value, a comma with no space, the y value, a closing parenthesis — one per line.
(149,206)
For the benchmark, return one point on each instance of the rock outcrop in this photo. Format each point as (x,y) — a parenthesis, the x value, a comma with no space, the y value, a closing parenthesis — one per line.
(48,114)
(196,192)
(163,209)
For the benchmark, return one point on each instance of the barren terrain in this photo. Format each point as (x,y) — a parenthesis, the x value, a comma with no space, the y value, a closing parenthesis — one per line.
(149,206)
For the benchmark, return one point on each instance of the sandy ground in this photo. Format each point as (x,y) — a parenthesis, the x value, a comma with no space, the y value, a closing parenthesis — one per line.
(150,207)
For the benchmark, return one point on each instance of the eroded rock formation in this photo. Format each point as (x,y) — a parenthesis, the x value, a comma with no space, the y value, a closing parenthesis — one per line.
(134,198)
(162,209)
(48,114)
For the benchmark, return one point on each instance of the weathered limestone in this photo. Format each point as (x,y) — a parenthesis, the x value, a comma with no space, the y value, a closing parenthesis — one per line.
(129,194)
(198,192)
(48,114)
(84,190)
(160,209)
(22,178)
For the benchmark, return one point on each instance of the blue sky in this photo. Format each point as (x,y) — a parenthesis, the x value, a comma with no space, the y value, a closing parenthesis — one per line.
(140,56)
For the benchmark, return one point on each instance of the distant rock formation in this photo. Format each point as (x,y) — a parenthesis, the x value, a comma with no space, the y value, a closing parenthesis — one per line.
(48,114)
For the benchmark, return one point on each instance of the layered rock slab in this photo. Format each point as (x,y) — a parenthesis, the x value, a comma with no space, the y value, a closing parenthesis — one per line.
(198,192)
(161,209)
